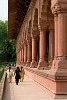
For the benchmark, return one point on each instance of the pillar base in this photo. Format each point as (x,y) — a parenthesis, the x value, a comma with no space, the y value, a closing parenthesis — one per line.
(59,79)
(50,62)
(42,65)
(28,64)
(33,64)
(59,63)
(58,74)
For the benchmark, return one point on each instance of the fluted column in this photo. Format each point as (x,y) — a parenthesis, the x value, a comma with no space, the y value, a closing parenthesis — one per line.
(34,51)
(62,34)
(17,58)
(58,71)
(60,18)
(51,46)
(22,54)
(56,39)
(56,34)
(29,52)
(42,60)
(25,52)
(62,39)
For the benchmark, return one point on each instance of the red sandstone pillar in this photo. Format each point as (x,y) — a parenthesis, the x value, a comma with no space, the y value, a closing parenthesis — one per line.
(16,58)
(42,60)
(22,55)
(51,46)
(29,52)
(58,71)
(34,52)
(19,57)
(62,34)
(61,50)
(25,52)
(56,34)
(56,39)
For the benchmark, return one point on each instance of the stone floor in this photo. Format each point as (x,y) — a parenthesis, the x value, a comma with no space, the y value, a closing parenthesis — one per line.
(26,90)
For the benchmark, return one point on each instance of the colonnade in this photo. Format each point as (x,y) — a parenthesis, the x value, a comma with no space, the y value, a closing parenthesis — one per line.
(44,46)
(30,51)
(38,27)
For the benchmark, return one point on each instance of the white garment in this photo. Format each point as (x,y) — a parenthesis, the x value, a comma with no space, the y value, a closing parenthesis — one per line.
(9,73)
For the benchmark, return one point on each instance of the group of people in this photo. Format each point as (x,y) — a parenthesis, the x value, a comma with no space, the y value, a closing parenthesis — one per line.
(19,74)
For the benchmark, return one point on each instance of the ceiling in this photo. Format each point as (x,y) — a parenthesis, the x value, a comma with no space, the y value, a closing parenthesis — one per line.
(16,12)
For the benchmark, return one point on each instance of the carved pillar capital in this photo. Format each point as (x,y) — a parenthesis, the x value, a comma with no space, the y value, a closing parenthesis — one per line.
(34,34)
(42,24)
(59,6)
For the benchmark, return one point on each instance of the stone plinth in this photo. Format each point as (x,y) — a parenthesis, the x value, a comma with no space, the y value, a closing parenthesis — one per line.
(42,65)
(33,64)
(56,84)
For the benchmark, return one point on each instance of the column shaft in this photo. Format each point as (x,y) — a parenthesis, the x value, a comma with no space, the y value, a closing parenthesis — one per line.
(51,46)
(34,52)
(42,45)
(22,55)
(56,40)
(29,53)
(62,34)
(25,53)
(56,34)
(34,49)
(42,60)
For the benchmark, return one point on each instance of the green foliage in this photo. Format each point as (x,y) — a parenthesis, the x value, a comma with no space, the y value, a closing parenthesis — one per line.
(8,52)
(3,32)
(7,47)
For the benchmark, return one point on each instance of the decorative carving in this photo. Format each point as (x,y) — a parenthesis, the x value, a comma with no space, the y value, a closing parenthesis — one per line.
(62,57)
(25,42)
(35,34)
(59,7)
(42,24)
(29,39)
(32,4)
(60,75)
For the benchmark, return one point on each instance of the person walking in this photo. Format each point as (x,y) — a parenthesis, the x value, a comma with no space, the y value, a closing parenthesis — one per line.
(17,75)
(22,72)
(9,74)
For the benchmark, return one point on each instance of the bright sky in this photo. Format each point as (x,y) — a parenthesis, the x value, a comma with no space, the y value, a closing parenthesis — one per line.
(3,10)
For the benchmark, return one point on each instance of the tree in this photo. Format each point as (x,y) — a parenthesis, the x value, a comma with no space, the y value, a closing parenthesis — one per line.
(3,31)
(7,47)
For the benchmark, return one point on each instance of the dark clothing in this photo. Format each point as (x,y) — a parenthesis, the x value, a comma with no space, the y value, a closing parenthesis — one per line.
(17,75)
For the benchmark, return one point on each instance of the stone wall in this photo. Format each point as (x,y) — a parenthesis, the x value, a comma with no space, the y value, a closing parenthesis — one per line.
(2,83)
